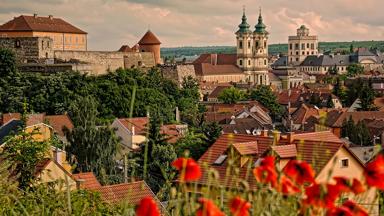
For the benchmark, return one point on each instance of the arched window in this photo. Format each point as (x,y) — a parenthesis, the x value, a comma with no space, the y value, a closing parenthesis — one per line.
(240,62)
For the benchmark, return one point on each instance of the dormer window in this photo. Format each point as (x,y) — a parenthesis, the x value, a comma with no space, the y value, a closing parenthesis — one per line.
(220,160)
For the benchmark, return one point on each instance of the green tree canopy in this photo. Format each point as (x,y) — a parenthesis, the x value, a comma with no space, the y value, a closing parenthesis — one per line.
(231,95)
(265,96)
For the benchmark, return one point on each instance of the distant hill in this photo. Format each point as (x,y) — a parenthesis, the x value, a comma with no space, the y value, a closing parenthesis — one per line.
(273,48)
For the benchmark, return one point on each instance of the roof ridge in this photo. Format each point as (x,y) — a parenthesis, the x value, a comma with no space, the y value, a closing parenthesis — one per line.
(25,20)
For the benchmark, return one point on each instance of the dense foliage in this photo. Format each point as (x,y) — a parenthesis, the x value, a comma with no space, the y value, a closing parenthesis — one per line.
(357,133)
(231,95)
(267,98)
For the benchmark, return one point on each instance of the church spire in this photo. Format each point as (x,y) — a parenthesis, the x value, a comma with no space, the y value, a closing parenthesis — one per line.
(244,26)
(260,26)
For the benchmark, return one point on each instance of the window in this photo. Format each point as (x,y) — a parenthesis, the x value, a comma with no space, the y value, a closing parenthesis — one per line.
(240,62)
(307,45)
(303,53)
(220,160)
(42,44)
(303,46)
(297,52)
(297,59)
(257,44)
(297,46)
(47,44)
(265,44)
(249,44)
(312,52)
(344,163)
(17,44)
(240,44)
(290,46)
(249,62)
(308,53)
(265,62)
(312,46)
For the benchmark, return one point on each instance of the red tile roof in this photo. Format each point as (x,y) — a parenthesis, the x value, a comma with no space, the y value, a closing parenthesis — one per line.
(139,123)
(247,148)
(9,116)
(89,180)
(216,64)
(316,149)
(285,97)
(305,111)
(39,24)
(149,39)
(58,122)
(216,92)
(130,193)
(285,151)
(358,116)
(125,48)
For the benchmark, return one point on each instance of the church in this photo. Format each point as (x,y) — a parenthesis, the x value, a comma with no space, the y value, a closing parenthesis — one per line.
(248,65)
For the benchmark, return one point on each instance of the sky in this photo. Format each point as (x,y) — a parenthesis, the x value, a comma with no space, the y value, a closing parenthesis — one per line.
(112,23)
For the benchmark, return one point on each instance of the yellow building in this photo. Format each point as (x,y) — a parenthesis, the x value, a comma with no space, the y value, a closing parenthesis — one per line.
(64,35)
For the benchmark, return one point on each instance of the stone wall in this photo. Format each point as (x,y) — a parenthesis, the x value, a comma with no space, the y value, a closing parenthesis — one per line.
(177,72)
(29,49)
(100,62)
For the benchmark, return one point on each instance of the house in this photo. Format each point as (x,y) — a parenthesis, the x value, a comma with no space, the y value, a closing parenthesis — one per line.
(126,193)
(48,125)
(64,35)
(133,132)
(324,151)
(214,95)
(220,68)
(51,171)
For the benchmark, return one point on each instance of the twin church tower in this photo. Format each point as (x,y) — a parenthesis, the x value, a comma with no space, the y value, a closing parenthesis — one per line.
(252,51)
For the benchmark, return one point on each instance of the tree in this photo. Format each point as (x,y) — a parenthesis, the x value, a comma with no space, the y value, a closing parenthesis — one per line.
(356,133)
(265,96)
(366,96)
(231,95)
(192,145)
(351,49)
(354,69)
(25,152)
(93,146)
(7,62)
(212,131)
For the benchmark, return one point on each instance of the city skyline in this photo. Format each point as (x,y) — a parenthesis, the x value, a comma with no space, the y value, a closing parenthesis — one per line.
(112,23)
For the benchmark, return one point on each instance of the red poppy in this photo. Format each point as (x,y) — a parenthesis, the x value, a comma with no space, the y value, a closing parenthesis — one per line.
(287,187)
(266,171)
(340,211)
(375,171)
(300,172)
(355,209)
(322,195)
(188,169)
(147,207)
(208,208)
(239,207)
(357,187)
(346,185)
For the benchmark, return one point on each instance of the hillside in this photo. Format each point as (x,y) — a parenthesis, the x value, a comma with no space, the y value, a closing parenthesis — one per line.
(273,48)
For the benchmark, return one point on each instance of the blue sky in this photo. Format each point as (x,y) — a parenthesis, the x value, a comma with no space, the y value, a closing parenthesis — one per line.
(111,23)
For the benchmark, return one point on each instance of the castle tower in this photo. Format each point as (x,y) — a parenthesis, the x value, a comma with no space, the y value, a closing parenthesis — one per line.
(150,43)
(301,45)
(259,73)
(244,38)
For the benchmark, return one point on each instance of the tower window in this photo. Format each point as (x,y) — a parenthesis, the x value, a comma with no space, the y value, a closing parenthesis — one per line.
(240,62)
(249,62)
(265,44)
(17,44)
(249,44)
(265,62)
(296,46)
(257,44)
(290,46)
(240,44)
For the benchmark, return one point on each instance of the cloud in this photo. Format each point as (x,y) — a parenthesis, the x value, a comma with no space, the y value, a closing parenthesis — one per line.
(111,23)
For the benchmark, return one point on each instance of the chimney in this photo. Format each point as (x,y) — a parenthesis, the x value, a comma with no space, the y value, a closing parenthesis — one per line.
(35,15)
(214,59)
(50,17)
(264,133)
(79,182)
(276,136)
(290,137)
